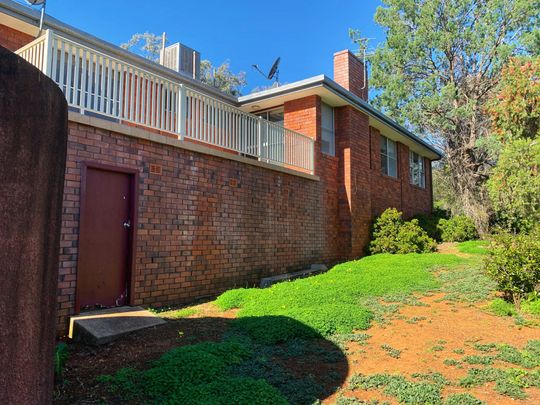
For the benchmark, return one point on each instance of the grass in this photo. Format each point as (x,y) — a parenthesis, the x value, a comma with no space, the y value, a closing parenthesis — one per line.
(187,373)
(235,371)
(277,325)
(391,351)
(424,391)
(178,313)
(466,282)
(510,382)
(474,247)
(330,303)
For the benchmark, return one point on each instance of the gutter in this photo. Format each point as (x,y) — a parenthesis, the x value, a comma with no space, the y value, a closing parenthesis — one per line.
(354,100)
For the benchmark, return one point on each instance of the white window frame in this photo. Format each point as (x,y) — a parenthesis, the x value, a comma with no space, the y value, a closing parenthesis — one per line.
(328,135)
(388,158)
(417,172)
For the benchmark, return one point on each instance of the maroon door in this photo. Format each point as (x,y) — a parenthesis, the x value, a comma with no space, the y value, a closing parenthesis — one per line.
(104,239)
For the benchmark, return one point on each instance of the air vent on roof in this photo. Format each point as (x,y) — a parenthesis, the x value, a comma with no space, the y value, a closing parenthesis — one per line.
(183,59)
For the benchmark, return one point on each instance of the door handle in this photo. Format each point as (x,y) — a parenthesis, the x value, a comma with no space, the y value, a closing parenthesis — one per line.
(127,224)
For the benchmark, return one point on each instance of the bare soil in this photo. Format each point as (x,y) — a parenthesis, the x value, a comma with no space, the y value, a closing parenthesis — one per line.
(447,324)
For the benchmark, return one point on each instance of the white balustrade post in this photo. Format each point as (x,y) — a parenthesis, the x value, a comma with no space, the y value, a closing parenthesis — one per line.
(312,157)
(259,138)
(181,112)
(47,53)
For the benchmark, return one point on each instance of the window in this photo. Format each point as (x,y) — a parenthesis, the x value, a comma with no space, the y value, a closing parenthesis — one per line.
(388,157)
(275,115)
(327,124)
(416,169)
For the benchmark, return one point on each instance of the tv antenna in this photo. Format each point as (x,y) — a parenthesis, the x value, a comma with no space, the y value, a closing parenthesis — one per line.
(41,3)
(273,73)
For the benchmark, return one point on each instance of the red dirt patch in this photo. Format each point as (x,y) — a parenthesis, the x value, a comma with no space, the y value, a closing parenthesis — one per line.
(457,325)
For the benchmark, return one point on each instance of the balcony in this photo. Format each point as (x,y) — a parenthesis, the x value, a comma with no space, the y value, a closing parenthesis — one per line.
(111,86)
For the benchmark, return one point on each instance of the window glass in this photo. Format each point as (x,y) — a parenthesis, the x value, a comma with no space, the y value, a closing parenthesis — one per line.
(327,125)
(416,170)
(388,157)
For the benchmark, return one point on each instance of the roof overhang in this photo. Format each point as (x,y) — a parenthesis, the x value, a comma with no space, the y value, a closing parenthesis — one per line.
(335,95)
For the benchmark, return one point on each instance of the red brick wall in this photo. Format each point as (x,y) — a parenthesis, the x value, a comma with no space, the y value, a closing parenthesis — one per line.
(12,39)
(398,193)
(349,73)
(352,150)
(304,115)
(206,224)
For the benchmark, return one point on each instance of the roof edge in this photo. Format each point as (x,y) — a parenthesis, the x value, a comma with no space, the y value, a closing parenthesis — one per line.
(323,80)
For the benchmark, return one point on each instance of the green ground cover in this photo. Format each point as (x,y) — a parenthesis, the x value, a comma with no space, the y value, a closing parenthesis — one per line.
(318,318)
(330,303)
(475,247)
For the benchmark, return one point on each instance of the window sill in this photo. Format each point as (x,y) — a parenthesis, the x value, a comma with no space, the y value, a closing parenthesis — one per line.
(417,187)
(386,176)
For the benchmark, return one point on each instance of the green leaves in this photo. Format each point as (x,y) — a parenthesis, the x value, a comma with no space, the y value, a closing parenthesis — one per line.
(393,235)
(436,72)
(514,186)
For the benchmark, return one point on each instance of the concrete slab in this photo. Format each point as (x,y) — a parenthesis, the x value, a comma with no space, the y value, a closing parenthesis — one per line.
(104,326)
(314,269)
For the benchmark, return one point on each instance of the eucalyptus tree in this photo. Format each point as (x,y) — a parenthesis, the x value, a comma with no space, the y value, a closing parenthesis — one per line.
(437,69)
(149,45)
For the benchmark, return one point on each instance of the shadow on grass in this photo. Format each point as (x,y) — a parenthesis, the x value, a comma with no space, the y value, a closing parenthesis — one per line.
(259,360)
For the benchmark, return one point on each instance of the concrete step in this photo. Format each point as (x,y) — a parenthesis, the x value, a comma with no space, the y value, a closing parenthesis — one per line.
(314,269)
(105,325)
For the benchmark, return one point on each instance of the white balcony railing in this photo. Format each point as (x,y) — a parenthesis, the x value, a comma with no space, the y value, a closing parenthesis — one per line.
(104,84)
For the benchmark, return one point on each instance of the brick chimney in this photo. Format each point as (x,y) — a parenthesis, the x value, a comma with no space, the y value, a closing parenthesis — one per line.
(349,73)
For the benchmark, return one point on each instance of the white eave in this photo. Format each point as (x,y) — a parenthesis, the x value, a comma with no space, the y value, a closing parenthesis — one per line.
(336,96)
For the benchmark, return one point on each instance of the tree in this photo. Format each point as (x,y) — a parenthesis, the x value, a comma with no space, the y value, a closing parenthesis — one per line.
(149,45)
(514,184)
(515,110)
(222,77)
(435,73)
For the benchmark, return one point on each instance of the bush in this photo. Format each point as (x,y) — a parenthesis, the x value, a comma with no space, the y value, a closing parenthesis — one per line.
(430,222)
(391,234)
(457,229)
(514,185)
(514,263)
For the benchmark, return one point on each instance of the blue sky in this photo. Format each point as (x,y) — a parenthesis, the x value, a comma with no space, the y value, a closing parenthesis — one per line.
(304,33)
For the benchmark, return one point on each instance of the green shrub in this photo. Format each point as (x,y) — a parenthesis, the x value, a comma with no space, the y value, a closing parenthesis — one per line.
(430,222)
(514,185)
(532,304)
(391,234)
(502,307)
(457,229)
(514,263)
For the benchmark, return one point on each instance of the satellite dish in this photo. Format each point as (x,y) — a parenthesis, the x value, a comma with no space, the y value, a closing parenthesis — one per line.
(274,70)
(42,4)
(272,73)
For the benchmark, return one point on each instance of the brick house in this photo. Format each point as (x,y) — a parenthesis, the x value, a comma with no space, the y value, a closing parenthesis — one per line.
(175,191)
